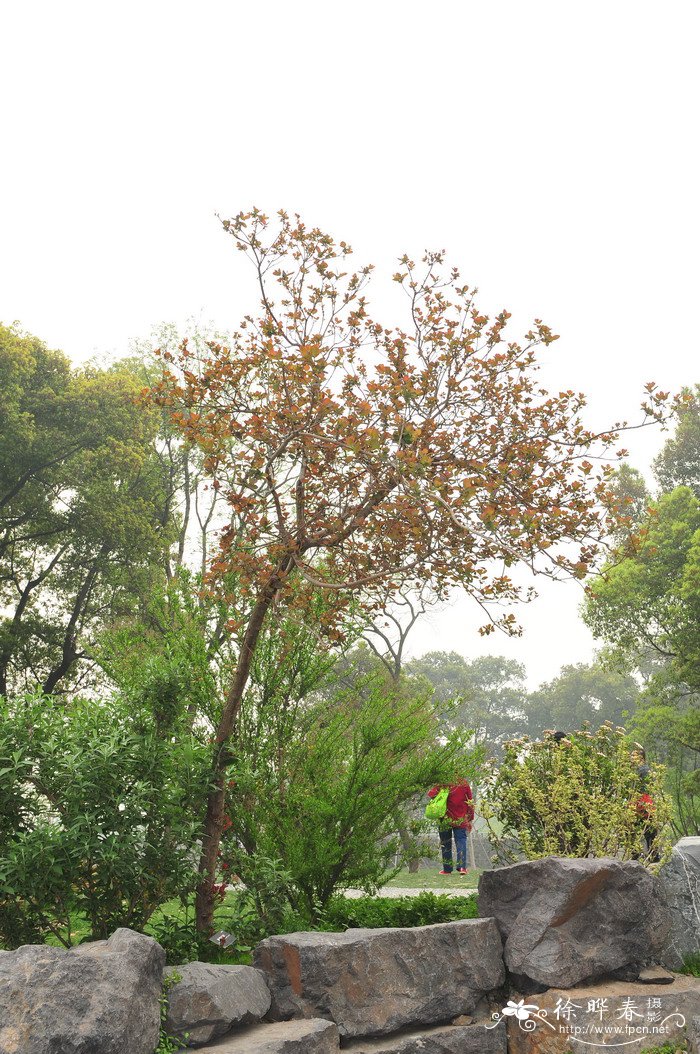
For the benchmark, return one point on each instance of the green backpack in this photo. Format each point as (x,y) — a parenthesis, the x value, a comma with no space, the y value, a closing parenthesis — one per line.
(436,809)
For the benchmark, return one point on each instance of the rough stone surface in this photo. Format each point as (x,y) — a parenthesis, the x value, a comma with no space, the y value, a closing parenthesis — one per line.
(694,1036)
(565,921)
(682,997)
(374,981)
(655,975)
(98,998)
(285,1037)
(450,1039)
(209,1000)
(680,879)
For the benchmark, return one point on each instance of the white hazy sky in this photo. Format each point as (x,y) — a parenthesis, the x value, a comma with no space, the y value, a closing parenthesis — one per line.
(550,147)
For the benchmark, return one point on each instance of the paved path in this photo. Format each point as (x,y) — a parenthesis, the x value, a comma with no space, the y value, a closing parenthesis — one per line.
(458,890)
(399,891)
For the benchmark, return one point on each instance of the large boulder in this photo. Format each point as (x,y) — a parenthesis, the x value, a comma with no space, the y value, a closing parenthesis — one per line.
(210,1000)
(617,1015)
(565,921)
(98,998)
(694,1035)
(285,1037)
(680,879)
(438,1039)
(374,981)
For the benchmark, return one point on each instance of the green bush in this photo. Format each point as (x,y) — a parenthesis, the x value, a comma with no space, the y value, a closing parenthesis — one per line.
(95,818)
(575,798)
(424,909)
(320,792)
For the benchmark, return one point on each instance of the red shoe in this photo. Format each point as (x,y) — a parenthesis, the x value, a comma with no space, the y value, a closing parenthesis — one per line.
(462,870)
(444,872)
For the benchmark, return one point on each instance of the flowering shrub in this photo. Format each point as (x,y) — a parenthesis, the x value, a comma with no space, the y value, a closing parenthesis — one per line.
(577,796)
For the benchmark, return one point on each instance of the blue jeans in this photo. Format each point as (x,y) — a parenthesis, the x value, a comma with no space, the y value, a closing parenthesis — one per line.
(460,837)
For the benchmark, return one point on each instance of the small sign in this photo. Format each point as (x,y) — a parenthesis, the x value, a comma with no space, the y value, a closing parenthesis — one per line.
(222,939)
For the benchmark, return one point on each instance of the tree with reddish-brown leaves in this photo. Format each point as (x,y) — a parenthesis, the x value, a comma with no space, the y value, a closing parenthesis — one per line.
(358,459)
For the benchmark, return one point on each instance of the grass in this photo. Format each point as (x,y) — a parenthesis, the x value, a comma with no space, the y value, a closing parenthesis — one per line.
(430,878)
(691,965)
(169,914)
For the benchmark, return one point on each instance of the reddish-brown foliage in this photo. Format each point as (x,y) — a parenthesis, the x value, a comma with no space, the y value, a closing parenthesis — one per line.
(358,458)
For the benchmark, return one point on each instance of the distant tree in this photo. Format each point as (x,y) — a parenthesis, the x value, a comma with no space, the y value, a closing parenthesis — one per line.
(631,492)
(387,633)
(192,505)
(678,464)
(582,693)
(82,530)
(359,458)
(486,694)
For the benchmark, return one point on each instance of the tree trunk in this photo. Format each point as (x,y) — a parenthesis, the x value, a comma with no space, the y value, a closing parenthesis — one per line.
(213,824)
(408,846)
(472,856)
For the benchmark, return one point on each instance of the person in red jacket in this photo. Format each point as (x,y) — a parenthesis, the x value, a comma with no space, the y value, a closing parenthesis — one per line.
(457,822)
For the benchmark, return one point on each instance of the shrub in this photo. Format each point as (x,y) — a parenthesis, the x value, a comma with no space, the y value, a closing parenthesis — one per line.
(95,818)
(578,797)
(319,794)
(424,909)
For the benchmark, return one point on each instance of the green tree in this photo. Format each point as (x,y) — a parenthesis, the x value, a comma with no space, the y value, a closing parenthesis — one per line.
(649,602)
(646,607)
(678,464)
(83,532)
(168,656)
(486,694)
(582,693)
(632,495)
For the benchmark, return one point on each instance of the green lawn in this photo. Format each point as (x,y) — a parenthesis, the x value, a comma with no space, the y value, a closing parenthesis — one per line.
(430,878)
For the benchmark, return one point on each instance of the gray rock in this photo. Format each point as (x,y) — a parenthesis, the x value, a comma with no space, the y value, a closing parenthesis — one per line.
(694,1035)
(440,1039)
(566,921)
(98,998)
(680,878)
(374,981)
(655,975)
(285,1037)
(657,1017)
(209,1000)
